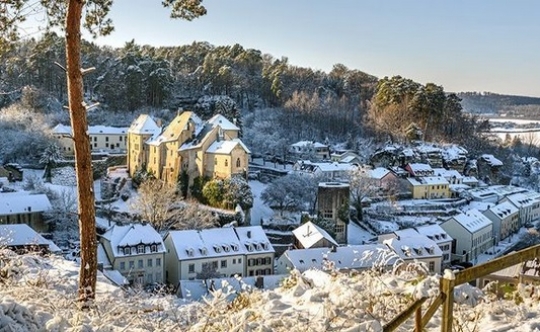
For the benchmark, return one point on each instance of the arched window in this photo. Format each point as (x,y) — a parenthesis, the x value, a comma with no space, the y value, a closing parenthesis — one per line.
(238,162)
(226,163)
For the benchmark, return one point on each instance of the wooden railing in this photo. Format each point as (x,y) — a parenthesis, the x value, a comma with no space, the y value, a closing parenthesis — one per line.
(446,295)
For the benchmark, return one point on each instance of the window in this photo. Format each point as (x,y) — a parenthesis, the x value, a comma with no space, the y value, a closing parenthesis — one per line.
(191,268)
(122,265)
(251,273)
(327,214)
(141,264)
(140,249)
(238,162)
(131,264)
(340,228)
(153,248)
(106,138)
(234,261)
(239,260)
(106,145)
(149,262)
(431,266)
(117,145)
(120,138)
(215,161)
(268,260)
(158,261)
(226,162)
(127,251)
(223,264)
(95,138)
(215,265)
(95,145)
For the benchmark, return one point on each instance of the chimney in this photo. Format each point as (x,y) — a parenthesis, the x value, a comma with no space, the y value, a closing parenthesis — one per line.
(249,234)
(333,249)
(308,231)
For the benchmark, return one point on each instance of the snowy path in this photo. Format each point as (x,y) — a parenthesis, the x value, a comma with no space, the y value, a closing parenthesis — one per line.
(259,209)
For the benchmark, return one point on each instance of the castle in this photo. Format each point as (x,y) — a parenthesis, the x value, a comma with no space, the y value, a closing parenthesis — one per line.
(188,144)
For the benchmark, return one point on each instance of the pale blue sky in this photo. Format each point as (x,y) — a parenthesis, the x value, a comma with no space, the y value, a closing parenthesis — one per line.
(464,45)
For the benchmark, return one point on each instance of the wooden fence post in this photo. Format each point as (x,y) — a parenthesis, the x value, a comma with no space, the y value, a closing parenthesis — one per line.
(447,288)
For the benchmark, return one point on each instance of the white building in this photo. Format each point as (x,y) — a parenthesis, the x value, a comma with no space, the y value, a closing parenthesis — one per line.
(473,233)
(136,251)
(505,219)
(22,238)
(414,249)
(439,236)
(310,149)
(309,235)
(223,252)
(102,138)
(357,257)
(528,205)
(451,175)
(328,171)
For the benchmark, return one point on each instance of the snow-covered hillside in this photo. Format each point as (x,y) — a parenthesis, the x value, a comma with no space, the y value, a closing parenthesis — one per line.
(39,294)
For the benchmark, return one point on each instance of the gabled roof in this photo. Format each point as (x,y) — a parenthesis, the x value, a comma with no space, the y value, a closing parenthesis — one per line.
(254,239)
(379,173)
(144,124)
(472,220)
(414,247)
(132,235)
(521,200)
(221,121)
(309,143)
(174,129)
(418,167)
(16,203)
(308,234)
(22,235)
(503,210)
(225,147)
(435,233)
(447,173)
(61,129)
(428,180)
(350,257)
(491,160)
(214,242)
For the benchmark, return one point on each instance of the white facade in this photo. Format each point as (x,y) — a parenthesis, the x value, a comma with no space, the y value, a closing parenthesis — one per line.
(136,251)
(413,249)
(223,252)
(505,219)
(439,236)
(528,205)
(473,233)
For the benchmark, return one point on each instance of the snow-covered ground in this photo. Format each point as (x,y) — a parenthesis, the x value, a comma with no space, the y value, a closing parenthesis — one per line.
(259,209)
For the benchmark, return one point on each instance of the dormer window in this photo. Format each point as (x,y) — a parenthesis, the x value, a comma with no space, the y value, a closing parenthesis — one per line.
(127,251)
(217,249)
(203,251)
(140,249)
(234,247)
(153,248)
(189,252)
(265,246)
(249,247)
(226,248)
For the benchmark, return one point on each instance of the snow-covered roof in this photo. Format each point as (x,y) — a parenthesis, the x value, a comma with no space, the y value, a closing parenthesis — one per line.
(132,235)
(454,152)
(503,210)
(469,179)
(214,242)
(309,143)
(447,173)
(434,232)
(102,256)
(254,239)
(472,220)
(16,203)
(331,167)
(414,247)
(144,124)
(348,159)
(428,148)
(418,167)
(225,147)
(24,235)
(379,172)
(308,234)
(428,180)
(521,200)
(406,232)
(350,257)
(334,185)
(92,130)
(116,277)
(407,152)
(491,160)
(221,121)
(494,193)
(174,129)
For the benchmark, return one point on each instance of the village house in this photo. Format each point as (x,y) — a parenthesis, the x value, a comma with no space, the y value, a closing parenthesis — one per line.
(136,251)
(349,258)
(21,208)
(429,187)
(473,233)
(191,146)
(310,150)
(441,238)
(384,178)
(217,252)
(345,157)
(22,239)
(528,204)
(309,235)
(452,176)
(418,170)
(333,205)
(102,138)
(328,171)
(412,249)
(505,219)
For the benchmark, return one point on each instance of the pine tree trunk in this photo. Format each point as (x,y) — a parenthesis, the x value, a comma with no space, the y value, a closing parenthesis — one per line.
(83,160)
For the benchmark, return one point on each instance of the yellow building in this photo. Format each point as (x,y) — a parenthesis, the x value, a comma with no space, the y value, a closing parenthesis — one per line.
(200,148)
(429,187)
(102,138)
(140,131)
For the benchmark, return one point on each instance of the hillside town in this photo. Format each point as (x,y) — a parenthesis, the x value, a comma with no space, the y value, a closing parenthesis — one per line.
(424,204)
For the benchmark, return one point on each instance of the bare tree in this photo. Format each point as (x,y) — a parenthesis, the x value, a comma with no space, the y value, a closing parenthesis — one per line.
(194,216)
(68,14)
(157,204)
